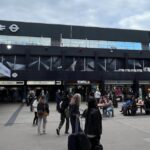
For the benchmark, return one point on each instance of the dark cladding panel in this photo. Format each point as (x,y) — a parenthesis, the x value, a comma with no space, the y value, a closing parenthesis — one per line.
(108,34)
(147,63)
(76,32)
(36,29)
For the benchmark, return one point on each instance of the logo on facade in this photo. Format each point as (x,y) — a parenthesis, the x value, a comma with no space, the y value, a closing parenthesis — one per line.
(14,75)
(13,28)
(2,27)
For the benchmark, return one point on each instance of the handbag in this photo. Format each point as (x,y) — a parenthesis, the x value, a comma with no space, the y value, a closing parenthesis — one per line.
(46,114)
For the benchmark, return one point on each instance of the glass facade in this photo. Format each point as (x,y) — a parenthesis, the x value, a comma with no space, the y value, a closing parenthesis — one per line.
(101,44)
(89,64)
(23,40)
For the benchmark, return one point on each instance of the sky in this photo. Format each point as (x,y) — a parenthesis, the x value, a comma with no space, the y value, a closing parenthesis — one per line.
(125,14)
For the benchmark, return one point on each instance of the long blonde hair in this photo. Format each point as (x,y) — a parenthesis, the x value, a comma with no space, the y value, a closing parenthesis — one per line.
(76,99)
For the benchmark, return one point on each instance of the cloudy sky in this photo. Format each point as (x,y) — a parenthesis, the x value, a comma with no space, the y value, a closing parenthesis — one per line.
(128,14)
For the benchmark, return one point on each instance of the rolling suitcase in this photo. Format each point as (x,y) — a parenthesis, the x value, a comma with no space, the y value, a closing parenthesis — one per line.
(78,140)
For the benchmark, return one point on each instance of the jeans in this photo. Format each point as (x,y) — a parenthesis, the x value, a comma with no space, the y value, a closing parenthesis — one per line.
(74,124)
(40,121)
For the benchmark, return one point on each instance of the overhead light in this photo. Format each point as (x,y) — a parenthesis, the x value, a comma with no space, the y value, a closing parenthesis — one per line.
(9,47)
(111,51)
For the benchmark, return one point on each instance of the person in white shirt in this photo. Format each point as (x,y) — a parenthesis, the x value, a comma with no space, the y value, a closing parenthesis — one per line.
(97,95)
(34,106)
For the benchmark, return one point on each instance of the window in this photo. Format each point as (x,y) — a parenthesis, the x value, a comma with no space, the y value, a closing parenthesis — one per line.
(24,40)
(101,44)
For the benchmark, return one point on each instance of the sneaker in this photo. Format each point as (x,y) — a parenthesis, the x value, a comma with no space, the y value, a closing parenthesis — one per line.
(58,131)
(39,133)
(44,132)
(67,132)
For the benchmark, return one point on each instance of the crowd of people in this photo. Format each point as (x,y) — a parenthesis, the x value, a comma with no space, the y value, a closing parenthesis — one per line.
(68,106)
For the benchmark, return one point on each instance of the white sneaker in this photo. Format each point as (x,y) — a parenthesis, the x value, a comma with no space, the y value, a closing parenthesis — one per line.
(39,133)
(44,132)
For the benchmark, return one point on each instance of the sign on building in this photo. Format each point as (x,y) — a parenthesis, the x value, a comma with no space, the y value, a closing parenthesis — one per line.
(13,28)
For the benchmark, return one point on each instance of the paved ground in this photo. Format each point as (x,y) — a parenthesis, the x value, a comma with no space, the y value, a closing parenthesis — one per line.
(119,133)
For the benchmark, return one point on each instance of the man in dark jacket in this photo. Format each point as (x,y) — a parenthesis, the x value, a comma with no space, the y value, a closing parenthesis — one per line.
(64,113)
(93,123)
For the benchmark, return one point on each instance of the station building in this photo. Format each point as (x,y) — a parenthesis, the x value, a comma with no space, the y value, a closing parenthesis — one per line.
(50,56)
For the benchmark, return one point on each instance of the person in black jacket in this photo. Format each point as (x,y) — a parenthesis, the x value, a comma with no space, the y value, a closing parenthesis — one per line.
(42,112)
(93,123)
(64,113)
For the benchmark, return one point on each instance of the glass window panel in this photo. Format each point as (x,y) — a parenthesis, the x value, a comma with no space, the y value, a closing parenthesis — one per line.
(56,63)
(45,63)
(120,64)
(34,63)
(90,64)
(79,64)
(138,64)
(19,63)
(101,64)
(70,64)
(101,44)
(24,40)
(9,61)
(110,64)
(130,64)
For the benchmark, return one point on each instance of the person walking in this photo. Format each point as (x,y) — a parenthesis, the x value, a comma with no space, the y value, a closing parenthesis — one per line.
(43,112)
(34,106)
(93,124)
(58,99)
(97,95)
(64,113)
(74,112)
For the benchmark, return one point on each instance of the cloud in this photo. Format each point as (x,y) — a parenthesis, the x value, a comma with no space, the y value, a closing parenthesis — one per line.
(140,21)
(101,13)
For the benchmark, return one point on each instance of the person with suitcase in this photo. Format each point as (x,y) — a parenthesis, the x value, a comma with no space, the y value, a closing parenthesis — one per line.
(93,125)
